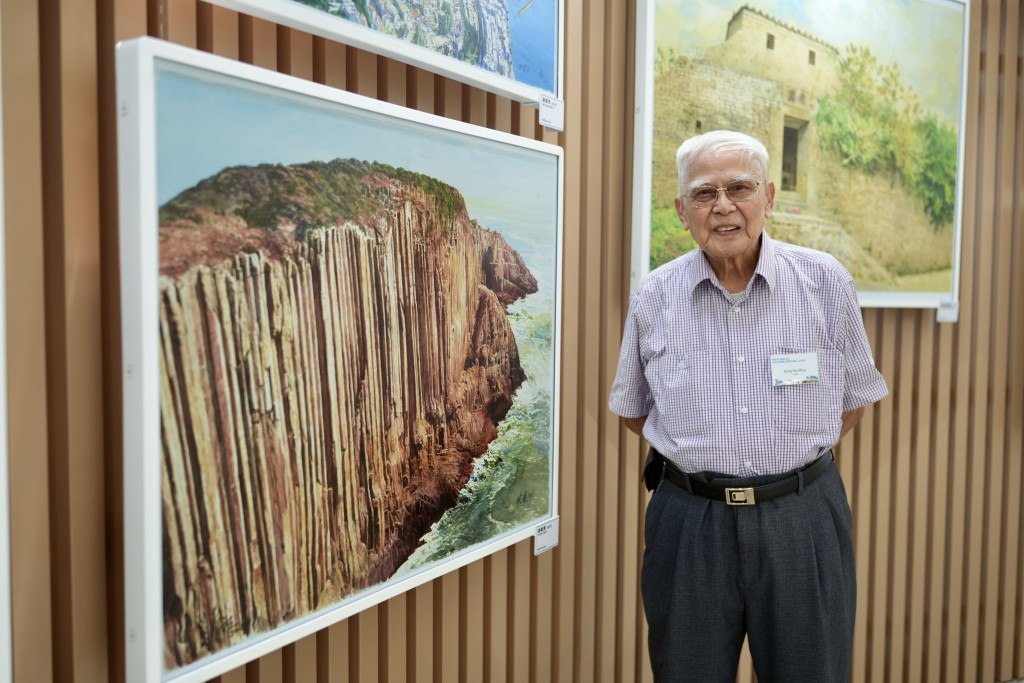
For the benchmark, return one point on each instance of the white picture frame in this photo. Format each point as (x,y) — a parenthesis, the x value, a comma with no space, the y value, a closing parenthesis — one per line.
(167,148)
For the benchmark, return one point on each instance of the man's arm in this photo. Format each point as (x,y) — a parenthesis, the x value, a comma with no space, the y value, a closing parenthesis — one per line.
(636,424)
(850,420)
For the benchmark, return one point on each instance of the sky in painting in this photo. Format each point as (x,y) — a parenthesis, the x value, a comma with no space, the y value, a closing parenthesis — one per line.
(923,37)
(244,124)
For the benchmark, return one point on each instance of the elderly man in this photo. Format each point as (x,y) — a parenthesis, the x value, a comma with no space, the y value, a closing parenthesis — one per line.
(742,364)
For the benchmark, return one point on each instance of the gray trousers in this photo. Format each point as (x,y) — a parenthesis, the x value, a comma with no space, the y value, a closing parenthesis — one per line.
(780,572)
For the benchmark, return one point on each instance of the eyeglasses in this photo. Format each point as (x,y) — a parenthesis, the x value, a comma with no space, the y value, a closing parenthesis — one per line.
(737,191)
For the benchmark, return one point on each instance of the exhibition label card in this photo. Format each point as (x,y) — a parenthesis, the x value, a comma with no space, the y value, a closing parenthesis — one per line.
(552,112)
(546,536)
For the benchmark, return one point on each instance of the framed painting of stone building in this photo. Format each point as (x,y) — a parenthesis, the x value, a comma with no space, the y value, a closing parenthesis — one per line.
(510,47)
(861,106)
(340,336)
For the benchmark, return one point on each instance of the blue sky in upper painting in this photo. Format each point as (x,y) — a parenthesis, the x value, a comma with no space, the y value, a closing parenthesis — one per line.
(923,37)
(206,123)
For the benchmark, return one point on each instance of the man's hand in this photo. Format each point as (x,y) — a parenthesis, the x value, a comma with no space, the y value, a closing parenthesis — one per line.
(850,420)
(635,424)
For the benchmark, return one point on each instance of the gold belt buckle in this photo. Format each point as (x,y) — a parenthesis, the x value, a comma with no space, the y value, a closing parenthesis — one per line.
(739,496)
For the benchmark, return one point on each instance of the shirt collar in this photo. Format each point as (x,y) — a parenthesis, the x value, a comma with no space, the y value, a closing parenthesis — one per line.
(765,266)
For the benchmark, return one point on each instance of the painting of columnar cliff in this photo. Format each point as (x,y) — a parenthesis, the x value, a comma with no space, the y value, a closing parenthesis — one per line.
(336,353)
(355,370)
(504,43)
(860,106)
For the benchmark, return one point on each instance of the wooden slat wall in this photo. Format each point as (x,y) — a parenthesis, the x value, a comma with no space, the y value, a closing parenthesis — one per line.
(934,473)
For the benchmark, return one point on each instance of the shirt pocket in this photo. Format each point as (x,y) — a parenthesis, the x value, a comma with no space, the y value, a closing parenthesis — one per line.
(680,384)
(811,408)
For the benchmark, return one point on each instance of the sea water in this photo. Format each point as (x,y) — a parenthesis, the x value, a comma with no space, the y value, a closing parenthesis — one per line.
(510,485)
(534,42)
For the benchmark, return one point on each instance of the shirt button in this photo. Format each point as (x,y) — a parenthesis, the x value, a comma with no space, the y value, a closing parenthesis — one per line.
(735,309)
(740,359)
(749,464)
(682,365)
(744,411)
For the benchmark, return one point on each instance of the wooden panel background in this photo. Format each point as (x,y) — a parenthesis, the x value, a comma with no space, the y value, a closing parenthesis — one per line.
(934,473)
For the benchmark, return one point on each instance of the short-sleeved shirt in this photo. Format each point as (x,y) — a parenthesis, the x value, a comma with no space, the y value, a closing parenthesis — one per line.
(697,361)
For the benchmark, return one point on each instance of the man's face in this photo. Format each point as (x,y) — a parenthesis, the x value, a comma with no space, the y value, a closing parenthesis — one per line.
(726,230)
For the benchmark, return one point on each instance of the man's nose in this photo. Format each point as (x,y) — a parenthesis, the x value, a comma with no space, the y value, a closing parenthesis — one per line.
(723,202)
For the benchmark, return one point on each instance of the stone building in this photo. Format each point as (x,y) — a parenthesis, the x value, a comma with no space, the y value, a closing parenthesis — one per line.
(803,68)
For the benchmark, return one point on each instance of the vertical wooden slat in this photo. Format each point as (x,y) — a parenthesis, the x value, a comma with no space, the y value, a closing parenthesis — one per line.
(420,84)
(520,556)
(181,18)
(71,213)
(397,87)
(267,669)
(332,654)
(921,491)
(996,410)
(901,482)
(471,622)
(856,460)
(591,404)
(1012,632)
(612,486)
(882,487)
(295,53)
(955,607)
(335,65)
(993,645)
(939,510)
(631,649)
(421,621)
(364,639)
(540,627)
(446,627)
(498,589)
(116,20)
(980,454)
(262,36)
(28,442)
(361,72)
(224,32)
(299,661)
(235,676)
(570,465)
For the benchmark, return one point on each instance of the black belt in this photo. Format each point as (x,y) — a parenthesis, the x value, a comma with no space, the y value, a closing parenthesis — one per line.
(749,495)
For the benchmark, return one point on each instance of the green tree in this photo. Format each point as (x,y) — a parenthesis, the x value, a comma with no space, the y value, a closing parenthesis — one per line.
(876,125)
(668,238)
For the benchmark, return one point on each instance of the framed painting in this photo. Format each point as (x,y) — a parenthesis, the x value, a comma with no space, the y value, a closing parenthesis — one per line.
(510,47)
(861,107)
(340,332)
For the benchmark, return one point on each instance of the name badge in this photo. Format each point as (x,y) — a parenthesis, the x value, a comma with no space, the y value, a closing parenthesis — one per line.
(794,368)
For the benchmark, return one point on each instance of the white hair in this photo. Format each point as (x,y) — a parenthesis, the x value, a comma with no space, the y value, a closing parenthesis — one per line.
(727,141)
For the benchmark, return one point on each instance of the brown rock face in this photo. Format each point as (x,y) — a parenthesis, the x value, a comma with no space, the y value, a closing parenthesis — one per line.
(334,351)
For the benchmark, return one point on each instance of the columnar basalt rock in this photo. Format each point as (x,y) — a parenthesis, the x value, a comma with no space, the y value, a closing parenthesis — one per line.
(335,351)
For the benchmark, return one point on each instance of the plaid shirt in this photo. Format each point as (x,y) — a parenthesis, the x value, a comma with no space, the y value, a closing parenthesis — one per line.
(695,361)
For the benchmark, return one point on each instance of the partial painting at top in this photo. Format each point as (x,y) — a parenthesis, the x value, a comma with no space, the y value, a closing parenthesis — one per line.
(516,39)
(859,104)
(357,330)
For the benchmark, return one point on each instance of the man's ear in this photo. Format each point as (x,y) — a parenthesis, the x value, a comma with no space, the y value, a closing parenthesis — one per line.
(770,204)
(680,213)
